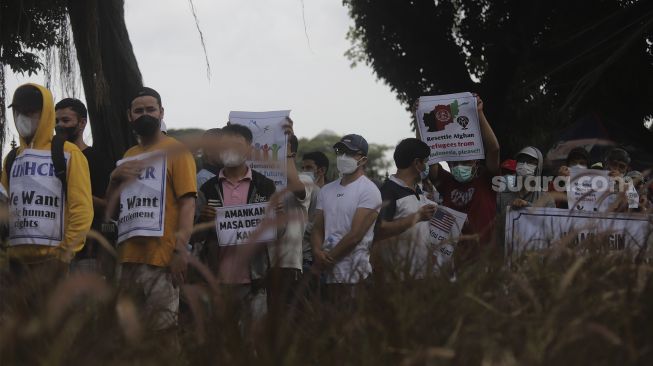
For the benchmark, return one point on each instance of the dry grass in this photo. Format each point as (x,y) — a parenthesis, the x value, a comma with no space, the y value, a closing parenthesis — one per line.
(555,308)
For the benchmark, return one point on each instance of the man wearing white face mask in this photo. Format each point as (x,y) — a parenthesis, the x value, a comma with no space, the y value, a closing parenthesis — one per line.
(468,189)
(529,171)
(241,269)
(345,214)
(50,207)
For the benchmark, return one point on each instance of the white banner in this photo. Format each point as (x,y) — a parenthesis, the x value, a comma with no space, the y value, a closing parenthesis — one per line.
(36,201)
(142,201)
(539,228)
(237,225)
(269,142)
(594,190)
(449,125)
(445,224)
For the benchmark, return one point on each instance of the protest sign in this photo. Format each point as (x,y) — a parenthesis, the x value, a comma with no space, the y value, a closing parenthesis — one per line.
(142,201)
(539,228)
(449,125)
(595,191)
(445,224)
(36,201)
(269,143)
(237,225)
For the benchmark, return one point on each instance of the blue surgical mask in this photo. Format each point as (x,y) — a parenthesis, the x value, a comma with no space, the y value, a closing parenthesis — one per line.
(462,173)
(425,173)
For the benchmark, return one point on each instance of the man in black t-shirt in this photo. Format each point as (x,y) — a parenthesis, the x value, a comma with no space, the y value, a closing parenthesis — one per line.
(72,118)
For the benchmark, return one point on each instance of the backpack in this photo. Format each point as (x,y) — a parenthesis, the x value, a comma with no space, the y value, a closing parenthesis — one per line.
(58,160)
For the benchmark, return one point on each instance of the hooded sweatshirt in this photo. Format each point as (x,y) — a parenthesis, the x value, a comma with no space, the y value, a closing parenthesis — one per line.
(538,198)
(78,213)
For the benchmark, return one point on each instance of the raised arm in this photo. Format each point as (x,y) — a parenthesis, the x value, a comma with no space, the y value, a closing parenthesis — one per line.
(490,142)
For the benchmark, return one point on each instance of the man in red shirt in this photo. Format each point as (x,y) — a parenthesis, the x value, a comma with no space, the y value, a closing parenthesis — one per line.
(468,189)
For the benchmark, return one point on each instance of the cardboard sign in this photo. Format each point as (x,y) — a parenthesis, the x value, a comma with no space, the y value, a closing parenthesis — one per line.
(449,125)
(36,200)
(236,225)
(594,190)
(269,143)
(142,201)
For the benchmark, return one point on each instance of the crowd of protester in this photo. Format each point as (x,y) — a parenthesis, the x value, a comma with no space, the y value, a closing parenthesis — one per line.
(331,236)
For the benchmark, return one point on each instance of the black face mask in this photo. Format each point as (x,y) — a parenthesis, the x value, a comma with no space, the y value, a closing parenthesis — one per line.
(69,133)
(146,125)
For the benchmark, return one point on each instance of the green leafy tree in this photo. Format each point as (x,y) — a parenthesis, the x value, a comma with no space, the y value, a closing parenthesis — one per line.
(539,65)
(376,169)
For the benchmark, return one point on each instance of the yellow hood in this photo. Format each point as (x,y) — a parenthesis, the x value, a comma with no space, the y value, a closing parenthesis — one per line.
(45,130)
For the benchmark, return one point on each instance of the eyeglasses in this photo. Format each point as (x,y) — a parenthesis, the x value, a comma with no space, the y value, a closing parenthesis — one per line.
(348,152)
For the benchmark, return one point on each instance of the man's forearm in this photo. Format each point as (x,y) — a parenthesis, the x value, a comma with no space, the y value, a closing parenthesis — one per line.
(185,228)
(388,229)
(345,246)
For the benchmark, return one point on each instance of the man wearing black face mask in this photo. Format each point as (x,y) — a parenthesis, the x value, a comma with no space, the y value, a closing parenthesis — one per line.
(71,120)
(153,188)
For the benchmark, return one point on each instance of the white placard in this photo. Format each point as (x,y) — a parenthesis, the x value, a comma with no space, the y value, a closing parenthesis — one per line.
(449,125)
(445,224)
(142,201)
(593,190)
(268,144)
(539,228)
(236,225)
(36,200)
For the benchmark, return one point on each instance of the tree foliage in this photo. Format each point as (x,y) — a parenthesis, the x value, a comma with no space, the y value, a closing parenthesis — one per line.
(539,65)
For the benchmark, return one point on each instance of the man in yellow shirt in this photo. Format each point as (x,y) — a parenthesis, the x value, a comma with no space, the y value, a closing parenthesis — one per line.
(155,189)
(50,206)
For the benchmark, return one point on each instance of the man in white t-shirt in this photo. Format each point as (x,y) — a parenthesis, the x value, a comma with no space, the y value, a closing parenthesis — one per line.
(344,218)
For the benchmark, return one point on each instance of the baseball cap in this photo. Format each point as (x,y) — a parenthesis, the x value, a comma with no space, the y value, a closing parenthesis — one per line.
(353,142)
(27,98)
(509,164)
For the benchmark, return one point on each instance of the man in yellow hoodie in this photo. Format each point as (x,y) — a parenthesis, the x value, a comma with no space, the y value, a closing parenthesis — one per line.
(48,220)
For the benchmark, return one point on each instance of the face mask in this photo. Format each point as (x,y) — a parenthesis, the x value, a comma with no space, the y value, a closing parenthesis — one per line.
(146,125)
(525,169)
(462,173)
(25,125)
(346,164)
(231,158)
(425,173)
(579,166)
(309,175)
(70,133)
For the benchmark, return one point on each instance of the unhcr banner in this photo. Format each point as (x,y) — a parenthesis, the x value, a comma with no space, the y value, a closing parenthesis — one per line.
(269,142)
(540,228)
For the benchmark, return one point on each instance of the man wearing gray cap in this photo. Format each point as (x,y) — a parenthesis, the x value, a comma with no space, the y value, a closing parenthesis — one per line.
(345,214)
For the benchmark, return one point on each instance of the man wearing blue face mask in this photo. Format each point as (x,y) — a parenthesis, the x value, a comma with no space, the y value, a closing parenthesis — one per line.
(468,189)
(344,217)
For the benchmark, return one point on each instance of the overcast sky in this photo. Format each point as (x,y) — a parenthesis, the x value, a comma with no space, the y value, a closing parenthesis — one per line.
(260,60)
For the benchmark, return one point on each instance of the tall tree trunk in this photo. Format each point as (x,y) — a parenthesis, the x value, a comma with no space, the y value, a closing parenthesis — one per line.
(109,71)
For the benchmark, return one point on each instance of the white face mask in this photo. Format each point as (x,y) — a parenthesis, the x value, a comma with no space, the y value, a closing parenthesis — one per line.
(579,166)
(25,125)
(309,175)
(525,169)
(346,164)
(231,158)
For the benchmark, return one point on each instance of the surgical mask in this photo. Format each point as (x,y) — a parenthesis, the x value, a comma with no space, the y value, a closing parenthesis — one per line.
(425,173)
(231,158)
(25,125)
(146,125)
(309,175)
(70,133)
(462,173)
(346,164)
(525,169)
(579,166)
